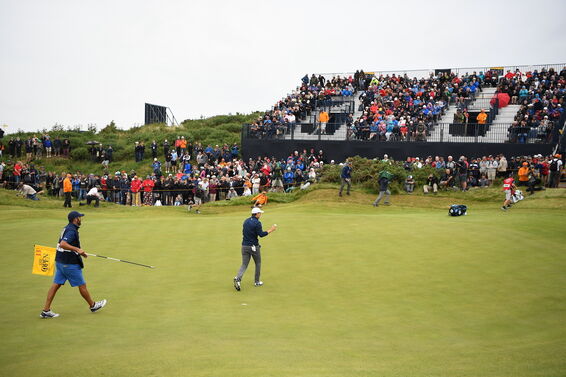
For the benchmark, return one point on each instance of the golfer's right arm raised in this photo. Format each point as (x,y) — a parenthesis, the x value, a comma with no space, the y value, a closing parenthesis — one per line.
(261,233)
(66,246)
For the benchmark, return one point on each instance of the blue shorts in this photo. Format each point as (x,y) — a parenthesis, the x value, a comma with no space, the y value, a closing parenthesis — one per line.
(71,272)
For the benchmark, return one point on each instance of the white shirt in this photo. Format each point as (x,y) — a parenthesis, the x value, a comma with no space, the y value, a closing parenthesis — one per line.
(92,192)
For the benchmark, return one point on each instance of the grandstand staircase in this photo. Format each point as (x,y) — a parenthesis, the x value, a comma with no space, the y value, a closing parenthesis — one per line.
(339,133)
(497,130)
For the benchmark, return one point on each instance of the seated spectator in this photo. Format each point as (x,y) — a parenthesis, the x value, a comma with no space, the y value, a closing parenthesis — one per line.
(447,179)
(260,199)
(409,184)
(431,184)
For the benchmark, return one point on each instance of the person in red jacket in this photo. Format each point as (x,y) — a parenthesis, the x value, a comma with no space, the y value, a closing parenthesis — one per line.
(135,187)
(147,185)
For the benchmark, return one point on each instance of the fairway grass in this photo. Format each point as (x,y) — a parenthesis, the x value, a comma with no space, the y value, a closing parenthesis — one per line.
(350,290)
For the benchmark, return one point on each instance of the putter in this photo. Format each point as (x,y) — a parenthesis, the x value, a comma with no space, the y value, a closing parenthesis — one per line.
(119,260)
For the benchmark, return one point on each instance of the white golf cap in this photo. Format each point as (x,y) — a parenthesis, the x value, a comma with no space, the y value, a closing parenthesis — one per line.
(256,210)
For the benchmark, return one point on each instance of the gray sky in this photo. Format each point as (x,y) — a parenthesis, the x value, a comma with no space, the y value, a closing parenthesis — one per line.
(81,62)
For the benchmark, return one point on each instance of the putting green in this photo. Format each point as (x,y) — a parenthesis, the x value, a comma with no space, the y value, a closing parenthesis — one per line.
(350,290)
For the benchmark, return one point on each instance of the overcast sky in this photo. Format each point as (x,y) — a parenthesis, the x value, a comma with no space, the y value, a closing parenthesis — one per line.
(90,62)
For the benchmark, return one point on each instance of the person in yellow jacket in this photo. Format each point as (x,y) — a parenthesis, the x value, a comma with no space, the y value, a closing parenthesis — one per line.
(323,118)
(67,190)
(260,199)
(523,174)
(482,117)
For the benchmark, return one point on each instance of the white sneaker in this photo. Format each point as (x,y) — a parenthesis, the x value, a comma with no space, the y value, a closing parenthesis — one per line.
(258,283)
(237,283)
(98,305)
(48,314)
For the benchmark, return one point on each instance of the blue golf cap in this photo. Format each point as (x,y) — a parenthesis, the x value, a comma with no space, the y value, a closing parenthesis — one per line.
(73,215)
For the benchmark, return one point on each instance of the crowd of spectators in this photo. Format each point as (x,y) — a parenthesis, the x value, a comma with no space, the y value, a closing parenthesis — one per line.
(465,173)
(313,92)
(36,147)
(398,108)
(211,176)
(541,97)
(393,107)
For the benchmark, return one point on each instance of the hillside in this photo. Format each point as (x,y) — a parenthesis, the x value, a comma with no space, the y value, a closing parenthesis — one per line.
(214,130)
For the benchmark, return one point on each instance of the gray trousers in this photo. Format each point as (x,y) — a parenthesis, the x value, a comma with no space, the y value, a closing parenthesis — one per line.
(247,253)
(345,181)
(380,196)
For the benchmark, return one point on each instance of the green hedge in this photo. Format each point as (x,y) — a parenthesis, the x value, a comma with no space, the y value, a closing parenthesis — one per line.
(366,173)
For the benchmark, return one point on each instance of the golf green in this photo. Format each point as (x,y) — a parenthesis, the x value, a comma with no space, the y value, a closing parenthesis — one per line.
(350,290)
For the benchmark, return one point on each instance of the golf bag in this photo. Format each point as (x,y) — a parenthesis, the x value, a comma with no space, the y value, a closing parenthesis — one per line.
(457,210)
(517,196)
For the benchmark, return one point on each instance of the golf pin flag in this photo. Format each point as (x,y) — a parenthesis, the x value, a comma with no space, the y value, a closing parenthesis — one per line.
(43,260)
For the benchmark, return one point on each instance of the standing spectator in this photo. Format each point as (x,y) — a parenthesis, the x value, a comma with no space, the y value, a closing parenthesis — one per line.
(147,185)
(142,150)
(109,153)
(183,145)
(288,179)
(346,178)
(48,145)
(462,170)
(492,166)
(17,172)
(168,163)
(135,187)
(256,181)
(57,146)
(137,151)
(156,166)
(66,147)
(323,118)
(502,166)
(67,190)
(153,149)
(166,147)
(555,168)
(178,145)
(213,189)
(482,117)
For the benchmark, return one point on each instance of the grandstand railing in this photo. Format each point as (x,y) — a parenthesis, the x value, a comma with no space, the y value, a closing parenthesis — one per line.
(441,132)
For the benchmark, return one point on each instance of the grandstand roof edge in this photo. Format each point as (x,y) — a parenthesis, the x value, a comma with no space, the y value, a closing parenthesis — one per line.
(533,66)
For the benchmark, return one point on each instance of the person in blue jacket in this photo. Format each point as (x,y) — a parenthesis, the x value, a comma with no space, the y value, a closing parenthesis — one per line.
(346,178)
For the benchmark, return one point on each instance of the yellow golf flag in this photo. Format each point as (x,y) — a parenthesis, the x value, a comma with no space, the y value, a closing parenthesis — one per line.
(43,260)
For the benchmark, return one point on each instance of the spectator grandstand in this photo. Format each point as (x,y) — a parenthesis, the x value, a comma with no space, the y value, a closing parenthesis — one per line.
(419,106)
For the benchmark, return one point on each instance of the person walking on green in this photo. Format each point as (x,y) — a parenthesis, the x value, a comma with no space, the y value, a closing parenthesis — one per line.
(251,247)
(346,178)
(69,267)
(384,179)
